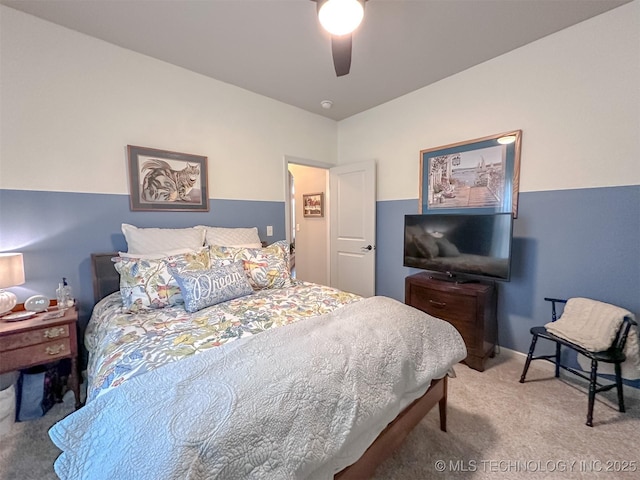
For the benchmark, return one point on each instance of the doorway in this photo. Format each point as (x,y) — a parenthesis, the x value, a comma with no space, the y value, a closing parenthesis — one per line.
(308,235)
(338,247)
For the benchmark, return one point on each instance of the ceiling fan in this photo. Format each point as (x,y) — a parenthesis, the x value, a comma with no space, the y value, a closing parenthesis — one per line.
(340,18)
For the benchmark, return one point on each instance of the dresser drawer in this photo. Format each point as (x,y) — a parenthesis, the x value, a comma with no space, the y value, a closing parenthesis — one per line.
(35,354)
(33,337)
(469,307)
(447,306)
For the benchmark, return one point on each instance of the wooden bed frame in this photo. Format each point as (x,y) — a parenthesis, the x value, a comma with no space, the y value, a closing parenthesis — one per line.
(106,280)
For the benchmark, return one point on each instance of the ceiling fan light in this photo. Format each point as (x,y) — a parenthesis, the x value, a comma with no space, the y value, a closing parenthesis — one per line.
(340,17)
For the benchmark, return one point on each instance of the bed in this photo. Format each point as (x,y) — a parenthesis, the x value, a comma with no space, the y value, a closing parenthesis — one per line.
(295,381)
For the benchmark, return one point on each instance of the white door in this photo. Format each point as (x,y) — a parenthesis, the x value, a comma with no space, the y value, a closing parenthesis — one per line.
(352,225)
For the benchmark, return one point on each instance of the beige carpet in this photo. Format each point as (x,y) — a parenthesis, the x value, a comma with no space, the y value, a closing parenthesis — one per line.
(497,428)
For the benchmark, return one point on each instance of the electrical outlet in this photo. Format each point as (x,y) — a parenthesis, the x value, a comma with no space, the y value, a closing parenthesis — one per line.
(297,227)
(269,230)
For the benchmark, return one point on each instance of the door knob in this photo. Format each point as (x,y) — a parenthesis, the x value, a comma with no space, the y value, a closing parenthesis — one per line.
(368,247)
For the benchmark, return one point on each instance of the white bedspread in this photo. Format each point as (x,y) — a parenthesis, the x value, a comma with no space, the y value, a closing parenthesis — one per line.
(301,401)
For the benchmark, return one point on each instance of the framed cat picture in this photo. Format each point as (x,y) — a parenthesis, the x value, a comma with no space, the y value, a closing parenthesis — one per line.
(160,180)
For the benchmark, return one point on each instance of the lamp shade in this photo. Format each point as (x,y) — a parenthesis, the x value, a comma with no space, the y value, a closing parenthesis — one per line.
(11,274)
(11,270)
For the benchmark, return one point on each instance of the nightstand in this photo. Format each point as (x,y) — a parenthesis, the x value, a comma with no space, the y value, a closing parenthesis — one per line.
(36,341)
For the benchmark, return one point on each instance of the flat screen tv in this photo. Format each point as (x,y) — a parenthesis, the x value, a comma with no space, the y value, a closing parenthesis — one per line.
(460,245)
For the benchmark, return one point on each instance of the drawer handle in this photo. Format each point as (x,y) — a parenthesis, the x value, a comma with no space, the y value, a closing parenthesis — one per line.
(53,332)
(56,349)
(437,304)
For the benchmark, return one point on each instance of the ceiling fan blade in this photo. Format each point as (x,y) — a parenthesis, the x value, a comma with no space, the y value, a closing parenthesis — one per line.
(341,50)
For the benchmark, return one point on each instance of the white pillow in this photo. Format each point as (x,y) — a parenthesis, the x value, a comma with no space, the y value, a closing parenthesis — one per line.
(155,255)
(232,237)
(160,240)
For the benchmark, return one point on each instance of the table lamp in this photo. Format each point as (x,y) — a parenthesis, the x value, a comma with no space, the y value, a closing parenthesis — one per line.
(11,275)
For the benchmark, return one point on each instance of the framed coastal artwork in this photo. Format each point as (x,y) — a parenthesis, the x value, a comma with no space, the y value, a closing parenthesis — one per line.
(160,180)
(474,176)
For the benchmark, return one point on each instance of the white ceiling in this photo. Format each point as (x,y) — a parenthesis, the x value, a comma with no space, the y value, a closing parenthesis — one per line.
(278,49)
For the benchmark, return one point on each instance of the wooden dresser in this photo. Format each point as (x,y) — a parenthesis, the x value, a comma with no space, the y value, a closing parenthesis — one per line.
(470,307)
(37,341)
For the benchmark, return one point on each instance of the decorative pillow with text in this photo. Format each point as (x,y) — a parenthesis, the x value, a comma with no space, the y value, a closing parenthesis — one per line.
(203,288)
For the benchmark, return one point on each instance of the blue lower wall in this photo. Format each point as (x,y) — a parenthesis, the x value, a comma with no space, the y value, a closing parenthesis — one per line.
(568,243)
(58,231)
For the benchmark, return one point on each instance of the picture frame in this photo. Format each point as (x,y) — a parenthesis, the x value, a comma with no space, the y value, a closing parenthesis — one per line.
(313,204)
(161,180)
(475,176)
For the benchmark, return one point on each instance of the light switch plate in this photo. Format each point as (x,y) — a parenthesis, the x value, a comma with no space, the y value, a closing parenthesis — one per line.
(269,230)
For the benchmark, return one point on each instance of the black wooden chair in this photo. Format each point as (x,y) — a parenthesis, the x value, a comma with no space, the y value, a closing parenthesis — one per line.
(614,355)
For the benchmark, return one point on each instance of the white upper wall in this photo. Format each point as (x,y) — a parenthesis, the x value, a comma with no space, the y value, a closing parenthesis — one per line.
(71,103)
(575,95)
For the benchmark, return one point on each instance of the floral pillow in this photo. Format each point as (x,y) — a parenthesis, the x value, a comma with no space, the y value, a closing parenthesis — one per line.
(203,288)
(266,267)
(147,283)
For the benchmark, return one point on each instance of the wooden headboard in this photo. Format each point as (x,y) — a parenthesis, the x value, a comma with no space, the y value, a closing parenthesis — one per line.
(106,279)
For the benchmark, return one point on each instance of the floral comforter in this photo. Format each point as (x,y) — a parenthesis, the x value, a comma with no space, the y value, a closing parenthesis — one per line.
(300,402)
(123,345)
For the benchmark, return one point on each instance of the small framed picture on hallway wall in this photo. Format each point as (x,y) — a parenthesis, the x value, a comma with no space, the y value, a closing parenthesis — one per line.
(313,204)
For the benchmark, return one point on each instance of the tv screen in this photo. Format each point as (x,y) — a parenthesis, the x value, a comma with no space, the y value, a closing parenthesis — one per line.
(460,244)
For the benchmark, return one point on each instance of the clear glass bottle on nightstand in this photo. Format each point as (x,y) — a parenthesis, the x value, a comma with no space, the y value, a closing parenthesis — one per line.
(64,295)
